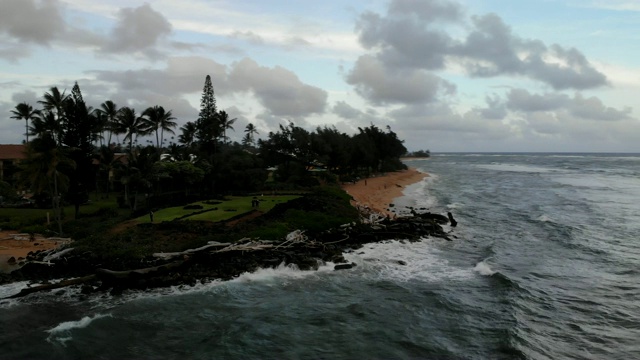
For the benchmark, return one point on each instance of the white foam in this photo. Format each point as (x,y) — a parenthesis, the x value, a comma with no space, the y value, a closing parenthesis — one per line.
(62,332)
(405,261)
(544,218)
(455,205)
(10,289)
(288,271)
(517,168)
(483,269)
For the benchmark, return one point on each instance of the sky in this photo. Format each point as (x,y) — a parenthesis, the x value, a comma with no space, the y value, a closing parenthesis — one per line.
(447,76)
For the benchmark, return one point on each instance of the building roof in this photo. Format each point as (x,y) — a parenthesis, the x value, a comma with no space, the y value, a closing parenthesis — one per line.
(12,152)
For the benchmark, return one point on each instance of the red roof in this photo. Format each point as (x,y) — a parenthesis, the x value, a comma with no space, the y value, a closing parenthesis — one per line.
(12,152)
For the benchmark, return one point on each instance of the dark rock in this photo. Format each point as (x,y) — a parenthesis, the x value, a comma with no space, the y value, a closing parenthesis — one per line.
(344,266)
(12,260)
(402,262)
(452,220)
(86,289)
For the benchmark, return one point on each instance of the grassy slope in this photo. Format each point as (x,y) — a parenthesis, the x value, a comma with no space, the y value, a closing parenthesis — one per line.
(230,207)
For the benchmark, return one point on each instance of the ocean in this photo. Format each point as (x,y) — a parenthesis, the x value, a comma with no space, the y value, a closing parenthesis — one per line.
(545,264)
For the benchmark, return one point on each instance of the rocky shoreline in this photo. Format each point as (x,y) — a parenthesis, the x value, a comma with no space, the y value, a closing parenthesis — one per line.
(222,261)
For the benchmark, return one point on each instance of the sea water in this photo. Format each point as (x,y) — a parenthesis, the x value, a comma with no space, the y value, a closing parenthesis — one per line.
(545,264)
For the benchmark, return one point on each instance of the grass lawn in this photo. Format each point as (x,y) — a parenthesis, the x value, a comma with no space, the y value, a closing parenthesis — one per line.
(230,207)
(16,218)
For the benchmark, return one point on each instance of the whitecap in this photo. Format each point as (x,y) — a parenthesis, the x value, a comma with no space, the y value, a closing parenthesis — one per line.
(404,261)
(288,271)
(483,269)
(516,168)
(544,218)
(62,332)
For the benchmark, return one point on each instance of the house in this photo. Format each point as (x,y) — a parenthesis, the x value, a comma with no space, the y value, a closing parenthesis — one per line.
(10,156)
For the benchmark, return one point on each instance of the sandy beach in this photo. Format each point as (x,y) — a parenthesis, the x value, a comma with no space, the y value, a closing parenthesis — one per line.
(18,246)
(378,192)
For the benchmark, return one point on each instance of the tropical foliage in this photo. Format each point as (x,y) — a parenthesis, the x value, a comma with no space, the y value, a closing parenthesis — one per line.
(72,153)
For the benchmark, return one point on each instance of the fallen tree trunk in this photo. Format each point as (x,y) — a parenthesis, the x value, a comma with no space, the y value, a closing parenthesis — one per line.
(124,274)
(167,256)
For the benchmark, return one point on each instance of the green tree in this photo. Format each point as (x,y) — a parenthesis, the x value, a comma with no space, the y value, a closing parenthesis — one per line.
(249,132)
(188,135)
(54,101)
(44,170)
(208,126)
(46,124)
(225,123)
(79,132)
(156,119)
(109,109)
(26,112)
(129,124)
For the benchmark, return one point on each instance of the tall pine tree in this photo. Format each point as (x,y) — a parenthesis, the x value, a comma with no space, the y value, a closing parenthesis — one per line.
(208,127)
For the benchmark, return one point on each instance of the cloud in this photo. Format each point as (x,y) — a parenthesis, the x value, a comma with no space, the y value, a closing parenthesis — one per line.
(138,30)
(433,35)
(381,85)
(31,21)
(591,108)
(496,109)
(278,89)
(182,75)
(523,100)
(346,111)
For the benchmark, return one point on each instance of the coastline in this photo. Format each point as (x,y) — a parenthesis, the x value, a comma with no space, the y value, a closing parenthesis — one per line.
(376,193)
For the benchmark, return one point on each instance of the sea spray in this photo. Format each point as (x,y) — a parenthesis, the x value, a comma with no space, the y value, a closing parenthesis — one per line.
(483,269)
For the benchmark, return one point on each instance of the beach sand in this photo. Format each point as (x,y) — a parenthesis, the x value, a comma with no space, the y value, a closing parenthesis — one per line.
(378,192)
(19,247)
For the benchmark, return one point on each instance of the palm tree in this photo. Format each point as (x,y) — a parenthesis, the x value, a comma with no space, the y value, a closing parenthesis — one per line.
(156,119)
(110,110)
(54,100)
(188,135)
(250,130)
(46,124)
(225,123)
(130,124)
(26,112)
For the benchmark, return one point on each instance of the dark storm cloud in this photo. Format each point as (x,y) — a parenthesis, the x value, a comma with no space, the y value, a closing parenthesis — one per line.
(138,30)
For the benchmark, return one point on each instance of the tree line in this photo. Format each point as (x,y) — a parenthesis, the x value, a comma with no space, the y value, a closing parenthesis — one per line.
(70,152)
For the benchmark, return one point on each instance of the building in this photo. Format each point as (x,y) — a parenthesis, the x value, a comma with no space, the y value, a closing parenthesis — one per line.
(10,156)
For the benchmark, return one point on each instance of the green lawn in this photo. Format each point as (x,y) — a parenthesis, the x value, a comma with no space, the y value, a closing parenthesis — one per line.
(17,218)
(230,207)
